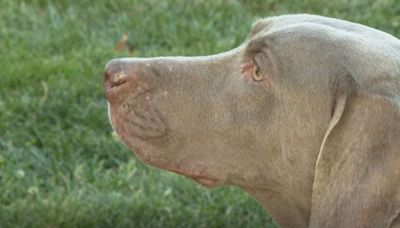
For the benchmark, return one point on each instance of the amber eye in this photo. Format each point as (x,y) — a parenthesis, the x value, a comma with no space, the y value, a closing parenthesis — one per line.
(256,74)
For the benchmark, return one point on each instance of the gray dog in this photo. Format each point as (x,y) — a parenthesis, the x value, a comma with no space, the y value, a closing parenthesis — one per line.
(304,115)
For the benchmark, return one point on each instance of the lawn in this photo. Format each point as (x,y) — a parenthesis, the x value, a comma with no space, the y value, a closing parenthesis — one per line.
(60,164)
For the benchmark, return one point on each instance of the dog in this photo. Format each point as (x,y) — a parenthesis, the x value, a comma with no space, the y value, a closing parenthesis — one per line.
(304,115)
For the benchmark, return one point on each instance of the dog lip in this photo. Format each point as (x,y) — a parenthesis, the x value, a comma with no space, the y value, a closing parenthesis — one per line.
(206,181)
(202,179)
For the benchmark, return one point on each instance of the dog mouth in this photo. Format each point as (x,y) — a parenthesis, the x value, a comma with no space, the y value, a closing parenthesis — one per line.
(199,177)
(206,181)
(146,122)
(142,125)
(137,116)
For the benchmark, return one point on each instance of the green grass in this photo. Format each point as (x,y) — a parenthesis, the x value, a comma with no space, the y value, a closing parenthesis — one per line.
(60,166)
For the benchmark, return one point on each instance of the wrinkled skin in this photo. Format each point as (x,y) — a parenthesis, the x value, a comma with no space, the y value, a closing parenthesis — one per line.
(303,115)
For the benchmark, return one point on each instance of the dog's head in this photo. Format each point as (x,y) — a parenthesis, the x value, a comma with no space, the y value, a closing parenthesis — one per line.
(261,115)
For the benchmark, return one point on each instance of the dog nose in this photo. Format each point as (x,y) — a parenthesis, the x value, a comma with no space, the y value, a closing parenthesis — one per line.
(115,73)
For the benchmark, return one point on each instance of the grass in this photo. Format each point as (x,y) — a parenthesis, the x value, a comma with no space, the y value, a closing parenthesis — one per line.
(60,165)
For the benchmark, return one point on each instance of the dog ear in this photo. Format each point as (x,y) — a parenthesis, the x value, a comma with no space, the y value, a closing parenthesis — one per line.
(357,177)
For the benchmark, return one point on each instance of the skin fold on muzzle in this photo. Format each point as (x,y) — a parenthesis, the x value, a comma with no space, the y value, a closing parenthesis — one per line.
(303,115)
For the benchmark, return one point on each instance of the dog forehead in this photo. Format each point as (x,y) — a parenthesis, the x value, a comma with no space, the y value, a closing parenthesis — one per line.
(277,27)
(259,26)
(304,28)
(273,23)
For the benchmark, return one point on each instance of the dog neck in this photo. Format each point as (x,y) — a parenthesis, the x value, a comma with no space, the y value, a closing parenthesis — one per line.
(286,190)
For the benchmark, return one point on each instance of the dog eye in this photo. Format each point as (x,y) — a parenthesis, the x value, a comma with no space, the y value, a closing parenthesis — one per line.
(256,74)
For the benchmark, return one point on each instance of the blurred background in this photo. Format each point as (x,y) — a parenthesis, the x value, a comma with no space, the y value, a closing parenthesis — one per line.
(60,164)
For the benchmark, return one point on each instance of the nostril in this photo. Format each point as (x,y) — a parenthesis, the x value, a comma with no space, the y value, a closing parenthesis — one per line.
(117,78)
(114,74)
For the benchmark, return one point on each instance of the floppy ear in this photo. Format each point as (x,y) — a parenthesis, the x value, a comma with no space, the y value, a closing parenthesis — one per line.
(357,179)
